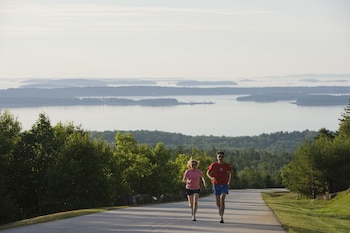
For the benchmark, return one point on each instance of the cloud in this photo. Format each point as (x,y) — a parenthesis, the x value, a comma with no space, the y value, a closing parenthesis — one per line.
(59,19)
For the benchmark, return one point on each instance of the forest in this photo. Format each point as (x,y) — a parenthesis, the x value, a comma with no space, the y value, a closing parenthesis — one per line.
(273,142)
(53,168)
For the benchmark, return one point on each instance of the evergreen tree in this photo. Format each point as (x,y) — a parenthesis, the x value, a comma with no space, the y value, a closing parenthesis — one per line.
(344,125)
(9,138)
(322,165)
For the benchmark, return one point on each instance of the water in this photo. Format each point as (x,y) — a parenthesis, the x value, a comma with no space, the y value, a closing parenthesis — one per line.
(227,117)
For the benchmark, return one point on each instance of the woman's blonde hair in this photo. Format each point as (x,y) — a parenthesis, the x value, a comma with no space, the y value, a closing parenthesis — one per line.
(189,162)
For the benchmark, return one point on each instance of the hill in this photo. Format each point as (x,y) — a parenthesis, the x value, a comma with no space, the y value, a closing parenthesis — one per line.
(275,142)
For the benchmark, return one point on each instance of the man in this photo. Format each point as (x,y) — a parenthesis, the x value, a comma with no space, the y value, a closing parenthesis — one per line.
(220,174)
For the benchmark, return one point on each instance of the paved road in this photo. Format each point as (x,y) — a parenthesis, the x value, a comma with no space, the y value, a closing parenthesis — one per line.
(245,212)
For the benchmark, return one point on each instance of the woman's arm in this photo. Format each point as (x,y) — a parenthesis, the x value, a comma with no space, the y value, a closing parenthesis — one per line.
(203,180)
(185,178)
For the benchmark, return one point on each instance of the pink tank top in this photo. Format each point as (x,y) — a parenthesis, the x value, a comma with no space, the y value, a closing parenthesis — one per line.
(194,176)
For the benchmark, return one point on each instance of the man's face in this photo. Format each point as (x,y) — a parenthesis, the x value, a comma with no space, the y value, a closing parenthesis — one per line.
(220,157)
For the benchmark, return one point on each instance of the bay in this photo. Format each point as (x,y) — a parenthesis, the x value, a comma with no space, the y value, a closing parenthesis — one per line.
(226,117)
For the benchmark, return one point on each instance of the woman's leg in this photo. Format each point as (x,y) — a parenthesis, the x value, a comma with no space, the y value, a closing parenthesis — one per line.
(195,204)
(190,202)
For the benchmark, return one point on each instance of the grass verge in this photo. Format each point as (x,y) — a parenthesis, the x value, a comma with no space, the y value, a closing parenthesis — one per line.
(308,215)
(57,216)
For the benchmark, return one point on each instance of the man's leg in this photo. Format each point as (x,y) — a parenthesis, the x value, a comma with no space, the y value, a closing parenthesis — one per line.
(222,204)
(222,207)
(218,200)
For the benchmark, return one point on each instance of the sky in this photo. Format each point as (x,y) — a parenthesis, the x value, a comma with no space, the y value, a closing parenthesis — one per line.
(194,39)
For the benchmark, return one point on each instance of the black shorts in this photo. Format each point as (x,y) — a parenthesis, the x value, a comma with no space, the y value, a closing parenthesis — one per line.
(191,192)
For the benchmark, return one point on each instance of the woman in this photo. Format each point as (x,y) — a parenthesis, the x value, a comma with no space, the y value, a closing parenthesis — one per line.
(192,178)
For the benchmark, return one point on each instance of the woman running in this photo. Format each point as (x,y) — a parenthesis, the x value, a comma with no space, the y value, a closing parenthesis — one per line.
(192,178)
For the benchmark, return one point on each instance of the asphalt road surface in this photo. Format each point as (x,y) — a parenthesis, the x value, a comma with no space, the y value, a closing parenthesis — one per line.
(245,212)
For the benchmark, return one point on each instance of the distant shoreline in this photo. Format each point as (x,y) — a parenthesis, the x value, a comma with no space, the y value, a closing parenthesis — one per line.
(158,96)
(40,102)
(296,80)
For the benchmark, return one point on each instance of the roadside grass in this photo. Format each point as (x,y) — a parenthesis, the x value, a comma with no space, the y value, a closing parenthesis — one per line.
(298,215)
(57,216)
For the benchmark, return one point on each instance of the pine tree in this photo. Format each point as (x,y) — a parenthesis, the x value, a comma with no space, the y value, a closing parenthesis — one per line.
(344,125)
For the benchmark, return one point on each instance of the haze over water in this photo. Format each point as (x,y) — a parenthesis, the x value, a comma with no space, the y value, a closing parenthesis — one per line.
(226,117)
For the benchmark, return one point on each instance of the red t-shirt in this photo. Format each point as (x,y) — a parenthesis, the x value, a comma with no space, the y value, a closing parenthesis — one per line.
(219,171)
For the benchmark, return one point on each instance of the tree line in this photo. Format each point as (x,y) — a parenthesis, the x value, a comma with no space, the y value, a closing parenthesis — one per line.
(321,166)
(272,142)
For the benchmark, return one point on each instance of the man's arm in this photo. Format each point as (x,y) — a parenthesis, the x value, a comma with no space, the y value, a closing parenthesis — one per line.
(209,175)
(229,177)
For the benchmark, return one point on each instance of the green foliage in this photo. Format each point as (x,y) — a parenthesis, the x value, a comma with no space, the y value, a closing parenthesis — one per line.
(344,126)
(258,169)
(81,176)
(146,169)
(303,175)
(48,169)
(322,165)
(35,153)
(278,142)
(9,137)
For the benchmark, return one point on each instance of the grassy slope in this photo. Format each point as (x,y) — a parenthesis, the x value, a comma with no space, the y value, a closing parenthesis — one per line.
(311,216)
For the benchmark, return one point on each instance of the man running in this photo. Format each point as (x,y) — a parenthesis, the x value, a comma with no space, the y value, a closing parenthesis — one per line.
(220,174)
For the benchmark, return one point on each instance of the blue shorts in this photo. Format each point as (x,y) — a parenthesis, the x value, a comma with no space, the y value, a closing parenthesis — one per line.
(219,189)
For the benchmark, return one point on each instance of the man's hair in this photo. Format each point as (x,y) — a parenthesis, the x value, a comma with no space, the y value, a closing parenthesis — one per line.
(220,153)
